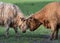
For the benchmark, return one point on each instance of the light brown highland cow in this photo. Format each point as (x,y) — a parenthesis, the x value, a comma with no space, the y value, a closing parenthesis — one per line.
(49,16)
(11,16)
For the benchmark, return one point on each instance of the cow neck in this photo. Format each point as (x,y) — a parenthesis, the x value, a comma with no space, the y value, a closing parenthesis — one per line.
(40,15)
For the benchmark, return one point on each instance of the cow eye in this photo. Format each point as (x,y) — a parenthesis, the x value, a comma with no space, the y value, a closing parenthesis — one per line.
(30,20)
(23,20)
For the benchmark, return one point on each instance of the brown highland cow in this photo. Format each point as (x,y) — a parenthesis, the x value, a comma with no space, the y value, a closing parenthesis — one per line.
(49,16)
(11,16)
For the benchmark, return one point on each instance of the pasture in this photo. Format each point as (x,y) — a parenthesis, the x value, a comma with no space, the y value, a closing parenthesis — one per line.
(41,35)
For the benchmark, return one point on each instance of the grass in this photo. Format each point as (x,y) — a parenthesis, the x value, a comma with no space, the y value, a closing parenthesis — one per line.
(26,1)
(30,8)
(41,35)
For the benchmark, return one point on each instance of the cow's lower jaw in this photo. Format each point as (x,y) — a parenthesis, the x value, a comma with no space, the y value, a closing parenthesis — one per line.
(32,29)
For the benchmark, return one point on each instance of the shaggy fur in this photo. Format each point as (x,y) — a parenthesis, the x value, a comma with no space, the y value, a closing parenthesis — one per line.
(11,16)
(49,16)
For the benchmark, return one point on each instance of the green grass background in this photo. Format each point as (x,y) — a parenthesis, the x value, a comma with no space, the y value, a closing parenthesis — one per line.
(40,35)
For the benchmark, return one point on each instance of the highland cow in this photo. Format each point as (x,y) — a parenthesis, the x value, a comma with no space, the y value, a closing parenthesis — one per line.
(11,16)
(49,16)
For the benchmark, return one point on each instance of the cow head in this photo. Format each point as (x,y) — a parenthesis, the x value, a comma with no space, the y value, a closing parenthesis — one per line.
(22,23)
(33,23)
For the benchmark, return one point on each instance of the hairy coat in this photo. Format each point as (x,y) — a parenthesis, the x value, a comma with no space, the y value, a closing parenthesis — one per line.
(11,16)
(49,16)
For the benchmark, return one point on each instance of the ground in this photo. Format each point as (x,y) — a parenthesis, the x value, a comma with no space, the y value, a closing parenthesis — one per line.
(41,35)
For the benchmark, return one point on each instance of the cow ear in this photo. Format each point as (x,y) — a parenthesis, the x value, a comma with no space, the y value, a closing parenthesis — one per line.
(46,22)
(30,19)
(22,19)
